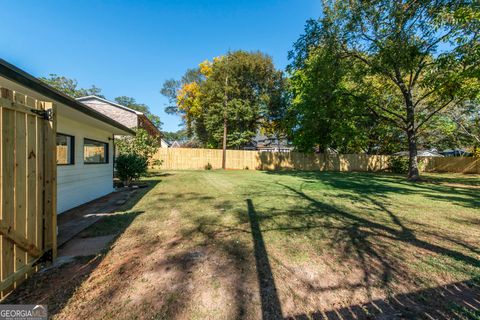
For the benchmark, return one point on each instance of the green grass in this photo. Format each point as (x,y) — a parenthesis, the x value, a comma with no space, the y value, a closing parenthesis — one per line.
(295,242)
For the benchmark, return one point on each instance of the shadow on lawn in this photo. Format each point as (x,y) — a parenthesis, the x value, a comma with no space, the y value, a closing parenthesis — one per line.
(454,301)
(271,308)
(56,284)
(443,302)
(375,247)
(360,238)
(449,189)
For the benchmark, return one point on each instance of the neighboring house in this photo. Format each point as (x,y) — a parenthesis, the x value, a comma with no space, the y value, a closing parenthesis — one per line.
(175,144)
(456,153)
(420,153)
(164,143)
(269,143)
(128,117)
(84,140)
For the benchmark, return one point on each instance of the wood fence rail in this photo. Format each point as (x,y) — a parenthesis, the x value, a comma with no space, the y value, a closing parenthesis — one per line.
(196,159)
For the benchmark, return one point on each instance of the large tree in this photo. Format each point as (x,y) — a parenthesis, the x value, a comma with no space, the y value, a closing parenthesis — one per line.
(406,61)
(70,86)
(239,93)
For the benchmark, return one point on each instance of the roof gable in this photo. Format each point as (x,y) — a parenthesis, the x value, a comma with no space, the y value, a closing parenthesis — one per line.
(92,97)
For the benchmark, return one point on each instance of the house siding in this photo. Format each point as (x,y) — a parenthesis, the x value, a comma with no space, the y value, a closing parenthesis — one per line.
(125,117)
(80,183)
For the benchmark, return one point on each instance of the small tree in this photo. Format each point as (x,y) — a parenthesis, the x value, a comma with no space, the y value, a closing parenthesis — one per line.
(130,167)
(141,144)
(135,153)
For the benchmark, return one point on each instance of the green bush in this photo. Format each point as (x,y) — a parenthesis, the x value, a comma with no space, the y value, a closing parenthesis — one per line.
(398,164)
(156,163)
(130,167)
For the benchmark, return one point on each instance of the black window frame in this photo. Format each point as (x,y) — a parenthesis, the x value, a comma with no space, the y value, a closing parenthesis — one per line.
(107,155)
(72,150)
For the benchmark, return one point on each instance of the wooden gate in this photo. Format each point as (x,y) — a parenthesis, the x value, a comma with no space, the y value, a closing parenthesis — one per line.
(27,185)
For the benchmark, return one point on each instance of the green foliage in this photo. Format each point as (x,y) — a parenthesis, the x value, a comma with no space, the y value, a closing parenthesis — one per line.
(208,166)
(70,86)
(141,144)
(157,163)
(398,164)
(131,103)
(131,166)
(365,65)
(180,135)
(243,87)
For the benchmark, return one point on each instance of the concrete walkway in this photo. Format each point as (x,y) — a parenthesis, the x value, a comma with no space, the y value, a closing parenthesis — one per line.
(74,221)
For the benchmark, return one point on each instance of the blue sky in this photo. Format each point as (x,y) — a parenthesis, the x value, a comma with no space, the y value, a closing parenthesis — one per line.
(131,47)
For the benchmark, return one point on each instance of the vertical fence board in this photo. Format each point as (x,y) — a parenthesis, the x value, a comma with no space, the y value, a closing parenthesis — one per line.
(20,182)
(8,184)
(50,181)
(32,180)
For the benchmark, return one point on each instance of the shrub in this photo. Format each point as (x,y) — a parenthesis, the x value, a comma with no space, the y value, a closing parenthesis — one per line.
(208,166)
(156,163)
(398,164)
(142,144)
(130,167)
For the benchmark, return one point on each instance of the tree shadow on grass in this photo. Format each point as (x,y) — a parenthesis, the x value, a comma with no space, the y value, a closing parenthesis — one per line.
(271,308)
(360,237)
(453,301)
(384,184)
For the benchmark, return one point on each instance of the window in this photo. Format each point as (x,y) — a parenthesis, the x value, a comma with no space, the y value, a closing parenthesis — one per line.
(65,149)
(95,151)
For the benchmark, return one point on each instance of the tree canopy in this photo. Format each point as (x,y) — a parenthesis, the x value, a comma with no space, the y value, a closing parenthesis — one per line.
(381,68)
(70,86)
(242,88)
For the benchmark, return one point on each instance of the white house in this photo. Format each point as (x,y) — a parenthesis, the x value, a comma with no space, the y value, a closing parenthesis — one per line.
(84,140)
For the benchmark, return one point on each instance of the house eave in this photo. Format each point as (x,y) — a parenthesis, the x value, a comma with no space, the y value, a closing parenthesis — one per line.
(21,77)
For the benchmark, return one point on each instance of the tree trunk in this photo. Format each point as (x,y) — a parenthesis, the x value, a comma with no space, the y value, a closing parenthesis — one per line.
(225,122)
(224,147)
(413,173)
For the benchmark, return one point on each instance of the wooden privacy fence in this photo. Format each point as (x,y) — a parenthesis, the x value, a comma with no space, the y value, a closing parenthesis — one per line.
(182,158)
(27,185)
(451,164)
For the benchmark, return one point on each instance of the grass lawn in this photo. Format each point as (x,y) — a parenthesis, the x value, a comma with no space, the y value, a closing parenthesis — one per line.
(247,244)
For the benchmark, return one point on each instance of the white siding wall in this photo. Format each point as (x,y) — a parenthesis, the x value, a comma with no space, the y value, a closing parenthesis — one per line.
(80,183)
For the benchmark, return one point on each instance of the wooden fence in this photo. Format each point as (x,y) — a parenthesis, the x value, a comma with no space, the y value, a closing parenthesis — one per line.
(27,185)
(181,158)
(450,164)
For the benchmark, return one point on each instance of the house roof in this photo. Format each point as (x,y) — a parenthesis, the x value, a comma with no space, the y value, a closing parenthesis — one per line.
(109,102)
(138,113)
(420,153)
(25,79)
